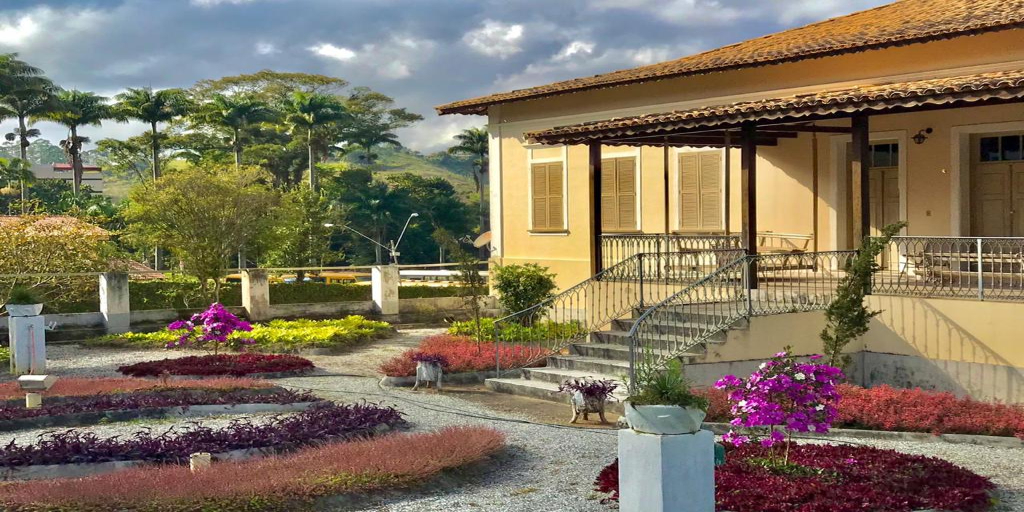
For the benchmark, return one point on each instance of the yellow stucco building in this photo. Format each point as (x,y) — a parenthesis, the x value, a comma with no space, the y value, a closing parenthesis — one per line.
(790,147)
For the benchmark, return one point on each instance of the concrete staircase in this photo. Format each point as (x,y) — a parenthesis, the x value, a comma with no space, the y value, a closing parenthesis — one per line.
(606,356)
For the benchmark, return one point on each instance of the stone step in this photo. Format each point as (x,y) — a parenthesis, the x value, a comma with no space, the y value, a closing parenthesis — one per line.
(622,337)
(611,351)
(589,365)
(697,312)
(674,328)
(557,376)
(542,390)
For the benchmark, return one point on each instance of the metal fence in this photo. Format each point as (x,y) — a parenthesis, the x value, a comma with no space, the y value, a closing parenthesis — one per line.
(961,267)
(620,247)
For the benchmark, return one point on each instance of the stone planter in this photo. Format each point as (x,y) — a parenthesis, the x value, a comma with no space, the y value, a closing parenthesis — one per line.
(585,405)
(664,419)
(426,373)
(24,309)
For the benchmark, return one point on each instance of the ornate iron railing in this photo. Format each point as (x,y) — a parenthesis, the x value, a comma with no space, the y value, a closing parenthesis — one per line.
(964,267)
(752,286)
(620,247)
(527,336)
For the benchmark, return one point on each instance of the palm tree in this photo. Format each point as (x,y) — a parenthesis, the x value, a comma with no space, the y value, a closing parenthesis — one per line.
(23,93)
(153,107)
(305,112)
(473,142)
(233,114)
(75,109)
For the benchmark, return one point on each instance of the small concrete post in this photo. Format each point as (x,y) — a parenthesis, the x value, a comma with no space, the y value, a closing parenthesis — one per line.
(114,303)
(33,400)
(666,473)
(385,279)
(199,461)
(256,294)
(28,345)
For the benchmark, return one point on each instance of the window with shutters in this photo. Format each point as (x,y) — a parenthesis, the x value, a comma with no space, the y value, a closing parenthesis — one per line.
(548,195)
(700,191)
(618,194)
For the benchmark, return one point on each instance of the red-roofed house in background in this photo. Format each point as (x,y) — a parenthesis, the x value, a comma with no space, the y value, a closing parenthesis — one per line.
(705,208)
(92,176)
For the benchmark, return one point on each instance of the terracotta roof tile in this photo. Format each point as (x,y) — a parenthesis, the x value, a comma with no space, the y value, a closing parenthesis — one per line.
(900,23)
(940,91)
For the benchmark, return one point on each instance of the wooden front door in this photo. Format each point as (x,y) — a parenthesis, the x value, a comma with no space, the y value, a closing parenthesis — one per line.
(997,186)
(884,183)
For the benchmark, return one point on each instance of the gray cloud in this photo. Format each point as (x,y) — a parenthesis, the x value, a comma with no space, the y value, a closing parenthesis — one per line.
(422,52)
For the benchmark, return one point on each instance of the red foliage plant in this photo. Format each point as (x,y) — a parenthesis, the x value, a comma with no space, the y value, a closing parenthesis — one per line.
(237,365)
(463,354)
(75,386)
(907,410)
(826,478)
(286,482)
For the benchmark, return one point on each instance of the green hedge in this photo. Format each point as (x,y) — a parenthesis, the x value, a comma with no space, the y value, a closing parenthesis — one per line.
(274,337)
(422,291)
(518,333)
(5,359)
(303,293)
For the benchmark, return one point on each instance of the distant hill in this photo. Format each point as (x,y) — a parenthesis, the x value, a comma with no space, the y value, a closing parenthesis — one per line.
(396,160)
(40,151)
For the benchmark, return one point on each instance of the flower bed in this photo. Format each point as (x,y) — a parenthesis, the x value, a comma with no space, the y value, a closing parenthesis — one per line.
(78,386)
(290,482)
(907,410)
(462,354)
(175,397)
(275,336)
(237,365)
(826,478)
(515,332)
(320,423)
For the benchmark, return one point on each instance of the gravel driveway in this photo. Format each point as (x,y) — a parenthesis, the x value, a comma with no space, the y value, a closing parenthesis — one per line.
(545,468)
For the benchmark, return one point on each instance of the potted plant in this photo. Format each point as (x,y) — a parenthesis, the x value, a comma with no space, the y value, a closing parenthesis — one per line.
(588,396)
(664,404)
(23,301)
(429,368)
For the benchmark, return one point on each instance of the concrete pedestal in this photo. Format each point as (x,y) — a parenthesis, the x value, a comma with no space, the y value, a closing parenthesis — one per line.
(28,344)
(114,303)
(385,289)
(666,473)
(256,294)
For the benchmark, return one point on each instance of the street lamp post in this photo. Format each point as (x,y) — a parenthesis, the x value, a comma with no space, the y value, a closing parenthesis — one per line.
(392,246)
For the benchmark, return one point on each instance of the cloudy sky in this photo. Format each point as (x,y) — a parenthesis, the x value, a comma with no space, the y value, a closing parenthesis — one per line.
(421,52)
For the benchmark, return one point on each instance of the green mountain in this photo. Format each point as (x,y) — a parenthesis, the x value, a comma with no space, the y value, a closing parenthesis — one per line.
(397,160)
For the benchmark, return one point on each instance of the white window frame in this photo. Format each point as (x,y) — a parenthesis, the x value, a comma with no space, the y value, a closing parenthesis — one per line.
(530,160)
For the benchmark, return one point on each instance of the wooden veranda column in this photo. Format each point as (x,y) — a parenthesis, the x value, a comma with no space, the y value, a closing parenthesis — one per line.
(860,168)
(748,187)
(594,165)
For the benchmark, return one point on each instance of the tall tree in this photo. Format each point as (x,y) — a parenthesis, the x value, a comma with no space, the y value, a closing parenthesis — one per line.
(152,107)
(374,121)
(306,113)
(24,93)
(75,109)
(370,207)
(473,143)
(234,115)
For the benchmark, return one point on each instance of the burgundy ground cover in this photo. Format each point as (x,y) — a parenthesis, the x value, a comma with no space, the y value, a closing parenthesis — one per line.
(238,365)
(281,483)
(907,410)
(842,479)
(320,423)
(462,354)
(155,398)
(78,386)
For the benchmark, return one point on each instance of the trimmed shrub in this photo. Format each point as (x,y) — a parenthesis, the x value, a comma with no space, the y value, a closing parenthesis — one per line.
(5,359)
(154,399)
(827,478)
(77,386)
(422,291)
(320,423)
(519,333)
(462,355)
(303,293)
(238,365)
(907,410)
(275,336)
(522,286)
(284,483)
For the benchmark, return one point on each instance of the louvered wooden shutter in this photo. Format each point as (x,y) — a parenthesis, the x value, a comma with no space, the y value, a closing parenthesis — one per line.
(700,191)
(548,192)
(618,194)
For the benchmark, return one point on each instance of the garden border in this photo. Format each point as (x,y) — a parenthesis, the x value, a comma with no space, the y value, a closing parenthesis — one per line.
(84,419)
(923,437)
(450,378)
(53,471)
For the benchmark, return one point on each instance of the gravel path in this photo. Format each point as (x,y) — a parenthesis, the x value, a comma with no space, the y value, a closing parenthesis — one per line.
(544,469)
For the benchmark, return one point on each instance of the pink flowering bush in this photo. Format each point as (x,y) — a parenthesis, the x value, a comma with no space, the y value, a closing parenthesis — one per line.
(212,327)
(783,396)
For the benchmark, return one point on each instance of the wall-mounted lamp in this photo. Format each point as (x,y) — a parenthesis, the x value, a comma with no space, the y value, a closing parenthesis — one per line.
(922,136)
